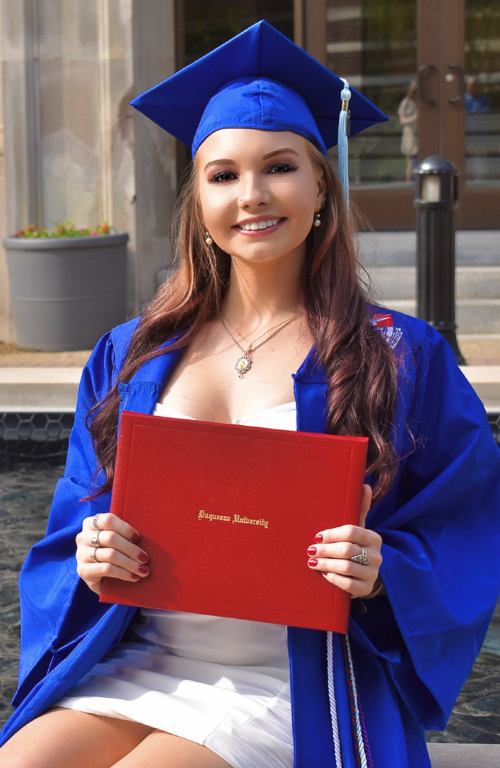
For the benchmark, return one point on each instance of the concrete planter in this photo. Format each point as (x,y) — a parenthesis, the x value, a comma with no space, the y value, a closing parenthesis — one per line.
(66,292)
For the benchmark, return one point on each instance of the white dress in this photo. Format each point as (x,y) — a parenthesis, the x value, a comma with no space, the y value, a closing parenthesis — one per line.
(220,682)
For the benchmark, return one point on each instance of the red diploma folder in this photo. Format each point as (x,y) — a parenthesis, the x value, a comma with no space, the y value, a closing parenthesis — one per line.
(226,513)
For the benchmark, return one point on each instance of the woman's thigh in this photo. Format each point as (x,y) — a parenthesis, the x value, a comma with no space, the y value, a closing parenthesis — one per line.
(64,737)
(163,750)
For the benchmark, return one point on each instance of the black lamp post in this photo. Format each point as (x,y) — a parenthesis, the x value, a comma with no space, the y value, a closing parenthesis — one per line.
(436,196)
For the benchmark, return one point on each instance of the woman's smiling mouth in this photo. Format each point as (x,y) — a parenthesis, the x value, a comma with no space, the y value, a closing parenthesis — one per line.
(258,226)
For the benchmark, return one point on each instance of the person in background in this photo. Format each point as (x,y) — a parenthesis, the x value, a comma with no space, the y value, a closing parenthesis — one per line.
(408,118)
(475,101)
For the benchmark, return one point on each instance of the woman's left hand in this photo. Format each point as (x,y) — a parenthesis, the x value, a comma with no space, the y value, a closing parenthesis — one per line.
(333,548)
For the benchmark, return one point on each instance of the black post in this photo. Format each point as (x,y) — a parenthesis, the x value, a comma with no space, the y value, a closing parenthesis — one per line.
(435,200)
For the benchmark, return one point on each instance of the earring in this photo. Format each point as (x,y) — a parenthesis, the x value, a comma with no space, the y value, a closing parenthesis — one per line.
(317,219)
(208,239)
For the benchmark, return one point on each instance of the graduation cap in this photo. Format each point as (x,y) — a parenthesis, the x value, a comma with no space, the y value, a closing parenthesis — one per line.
(259,79)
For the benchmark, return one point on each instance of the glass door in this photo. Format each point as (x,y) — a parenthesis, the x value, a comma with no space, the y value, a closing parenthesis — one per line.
(481,88)
(433,66)
(459,116)
(373,44)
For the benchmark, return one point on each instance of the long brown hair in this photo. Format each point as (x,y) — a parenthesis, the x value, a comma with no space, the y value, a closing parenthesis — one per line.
(360,367)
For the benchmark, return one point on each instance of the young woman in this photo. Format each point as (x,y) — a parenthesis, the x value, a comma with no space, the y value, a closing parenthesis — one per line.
(265,324)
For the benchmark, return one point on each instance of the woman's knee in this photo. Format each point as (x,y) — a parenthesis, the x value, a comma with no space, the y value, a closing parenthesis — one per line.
(61,737)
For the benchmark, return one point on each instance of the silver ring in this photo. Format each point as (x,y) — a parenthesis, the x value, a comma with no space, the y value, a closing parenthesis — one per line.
(93,556)
(94,522)
(94,541)
(362,558)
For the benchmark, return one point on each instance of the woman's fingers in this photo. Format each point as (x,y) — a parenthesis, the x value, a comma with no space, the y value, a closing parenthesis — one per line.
(109,550)
(110,562)
(355,587)
(344,550)
(333,550)
(354,534)
(113,533)
(347,567)
(355,578)
(115,541)
(109,522)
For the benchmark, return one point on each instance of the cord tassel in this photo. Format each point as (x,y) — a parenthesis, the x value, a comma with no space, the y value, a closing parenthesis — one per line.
(343,140)
(332,697)
(362,754)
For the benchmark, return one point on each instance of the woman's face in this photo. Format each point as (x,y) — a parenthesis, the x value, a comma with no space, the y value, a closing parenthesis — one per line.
(259,192)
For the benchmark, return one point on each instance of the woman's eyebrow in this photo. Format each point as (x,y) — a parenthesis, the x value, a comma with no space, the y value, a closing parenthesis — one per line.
(219,162)
(280,151)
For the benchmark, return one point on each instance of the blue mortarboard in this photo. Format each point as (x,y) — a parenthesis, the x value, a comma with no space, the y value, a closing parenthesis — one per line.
(258,79)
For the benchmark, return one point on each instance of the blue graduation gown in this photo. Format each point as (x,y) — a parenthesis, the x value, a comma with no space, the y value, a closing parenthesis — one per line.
(440,524)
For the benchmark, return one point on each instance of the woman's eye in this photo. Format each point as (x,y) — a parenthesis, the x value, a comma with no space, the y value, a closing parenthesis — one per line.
(222,176)
(282,168)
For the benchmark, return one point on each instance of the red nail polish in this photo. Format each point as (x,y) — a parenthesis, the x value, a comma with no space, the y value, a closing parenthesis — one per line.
(135,576)
(143,569)
(318,538)
(311,551)
(312,562)
(143,557)
(136,537)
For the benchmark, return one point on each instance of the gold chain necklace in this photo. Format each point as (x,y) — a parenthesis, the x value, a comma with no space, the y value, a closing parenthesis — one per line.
(268,330)
(244,363)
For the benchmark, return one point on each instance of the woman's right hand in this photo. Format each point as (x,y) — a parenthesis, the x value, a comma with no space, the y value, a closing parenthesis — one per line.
(117,554)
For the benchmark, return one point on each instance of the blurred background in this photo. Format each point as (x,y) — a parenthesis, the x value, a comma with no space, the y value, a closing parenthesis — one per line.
(72,149)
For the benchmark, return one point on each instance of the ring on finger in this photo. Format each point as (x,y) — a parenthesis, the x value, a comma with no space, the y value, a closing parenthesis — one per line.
(93,556)
(94,541)
(362,558)
(94,522)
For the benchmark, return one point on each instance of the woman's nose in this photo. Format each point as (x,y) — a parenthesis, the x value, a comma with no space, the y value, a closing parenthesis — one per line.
(254,191)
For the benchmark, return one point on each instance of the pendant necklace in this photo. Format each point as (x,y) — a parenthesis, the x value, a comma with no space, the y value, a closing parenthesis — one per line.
(244,362)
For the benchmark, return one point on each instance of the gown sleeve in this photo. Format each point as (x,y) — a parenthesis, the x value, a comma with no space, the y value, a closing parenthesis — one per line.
(440,526)
(57,607)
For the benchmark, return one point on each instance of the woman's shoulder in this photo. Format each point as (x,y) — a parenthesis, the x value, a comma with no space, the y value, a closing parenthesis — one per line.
(120,338)
(107,358)
(398,328)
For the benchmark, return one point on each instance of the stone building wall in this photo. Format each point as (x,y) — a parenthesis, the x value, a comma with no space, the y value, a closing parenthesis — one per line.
(6,323)
(74,149)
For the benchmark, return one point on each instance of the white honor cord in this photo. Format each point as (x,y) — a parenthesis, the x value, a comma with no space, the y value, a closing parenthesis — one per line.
(343,140)
(333,700)
(362,753)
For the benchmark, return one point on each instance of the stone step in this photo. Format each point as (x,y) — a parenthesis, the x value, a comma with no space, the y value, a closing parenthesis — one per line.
(477,294)
(399,248)
(389,260)
(55,389)
(472,282)
(480,316)
(464,755)
(38,389)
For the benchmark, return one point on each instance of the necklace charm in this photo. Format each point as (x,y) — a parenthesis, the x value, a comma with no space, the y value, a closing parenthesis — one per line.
(243,365)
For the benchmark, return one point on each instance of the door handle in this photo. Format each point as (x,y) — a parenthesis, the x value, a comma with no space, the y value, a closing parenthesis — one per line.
(461,87)
(421,84)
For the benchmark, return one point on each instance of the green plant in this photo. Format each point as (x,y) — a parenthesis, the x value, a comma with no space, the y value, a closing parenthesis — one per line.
(67,229)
